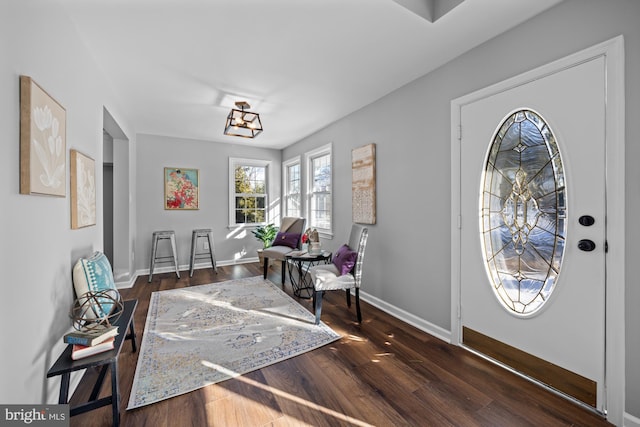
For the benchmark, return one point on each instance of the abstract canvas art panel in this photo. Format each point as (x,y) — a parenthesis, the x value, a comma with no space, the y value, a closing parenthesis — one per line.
(42,141)
(363,184)
(180,189)
(83,190)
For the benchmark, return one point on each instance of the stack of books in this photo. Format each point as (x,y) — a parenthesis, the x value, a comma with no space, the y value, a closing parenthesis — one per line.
(89,342)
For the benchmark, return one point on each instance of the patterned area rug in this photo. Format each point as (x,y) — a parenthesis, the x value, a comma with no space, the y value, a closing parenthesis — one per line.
(205,334)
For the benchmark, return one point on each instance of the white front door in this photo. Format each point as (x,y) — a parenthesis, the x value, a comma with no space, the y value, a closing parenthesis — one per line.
(545,255)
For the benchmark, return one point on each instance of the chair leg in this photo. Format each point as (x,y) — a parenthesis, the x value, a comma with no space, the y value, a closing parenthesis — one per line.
(175,254)
(194,243)
(212,253)
(284,271)
(358,305)
(152,262)
(317,303)
(348,292)
(265,267)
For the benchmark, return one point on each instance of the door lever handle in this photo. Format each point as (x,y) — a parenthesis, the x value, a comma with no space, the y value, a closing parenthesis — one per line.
(586,245)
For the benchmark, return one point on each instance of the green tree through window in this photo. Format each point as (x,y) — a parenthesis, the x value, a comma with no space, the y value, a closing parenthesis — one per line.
(250,194)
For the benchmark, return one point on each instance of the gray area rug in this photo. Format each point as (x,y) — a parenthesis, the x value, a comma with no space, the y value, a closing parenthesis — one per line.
(205,334)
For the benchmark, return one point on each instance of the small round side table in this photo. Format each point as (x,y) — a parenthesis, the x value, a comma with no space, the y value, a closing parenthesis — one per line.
(301,282)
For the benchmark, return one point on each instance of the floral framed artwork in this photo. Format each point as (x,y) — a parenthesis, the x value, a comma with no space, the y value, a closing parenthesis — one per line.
(83,190)
(42,141)
(180,189)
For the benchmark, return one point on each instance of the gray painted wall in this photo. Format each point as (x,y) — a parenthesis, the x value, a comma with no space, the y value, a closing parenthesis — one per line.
(408,261)
(154,153)
(409,253)
(38,245)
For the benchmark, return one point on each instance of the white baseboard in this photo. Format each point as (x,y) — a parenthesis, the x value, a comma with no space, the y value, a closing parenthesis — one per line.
(403,315)
(169,269)
(630,420)
(125,284)
(407,317)
(399,313)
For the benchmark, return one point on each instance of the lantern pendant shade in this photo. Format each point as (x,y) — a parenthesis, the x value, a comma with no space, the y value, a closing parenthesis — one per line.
(243,123)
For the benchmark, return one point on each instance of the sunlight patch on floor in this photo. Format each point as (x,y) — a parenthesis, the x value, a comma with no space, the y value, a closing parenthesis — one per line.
(379,356)
(296,399)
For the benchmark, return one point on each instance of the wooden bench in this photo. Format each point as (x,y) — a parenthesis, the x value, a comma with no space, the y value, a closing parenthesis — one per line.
(108,360)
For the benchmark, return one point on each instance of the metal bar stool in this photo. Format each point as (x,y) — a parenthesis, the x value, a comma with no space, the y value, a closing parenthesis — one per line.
(209,252)
(157,237)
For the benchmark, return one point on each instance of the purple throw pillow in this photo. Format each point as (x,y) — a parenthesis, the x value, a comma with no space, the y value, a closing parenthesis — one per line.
(287,239)
(345,259)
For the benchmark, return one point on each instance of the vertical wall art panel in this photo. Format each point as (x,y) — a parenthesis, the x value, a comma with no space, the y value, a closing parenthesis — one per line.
(363,184)
(180,188)
(42,141)
(83,190)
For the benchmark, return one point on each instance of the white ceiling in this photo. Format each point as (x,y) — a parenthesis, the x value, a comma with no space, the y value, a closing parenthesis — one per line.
(179,65)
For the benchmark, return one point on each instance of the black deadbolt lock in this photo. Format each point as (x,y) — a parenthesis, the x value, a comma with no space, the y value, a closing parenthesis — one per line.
(586,245)
(586,220)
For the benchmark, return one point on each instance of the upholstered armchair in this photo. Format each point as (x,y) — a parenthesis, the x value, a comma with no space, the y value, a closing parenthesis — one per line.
(344,271)
(287,240)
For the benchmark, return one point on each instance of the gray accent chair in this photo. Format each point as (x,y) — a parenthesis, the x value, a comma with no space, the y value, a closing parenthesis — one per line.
(326,277)
(288,225)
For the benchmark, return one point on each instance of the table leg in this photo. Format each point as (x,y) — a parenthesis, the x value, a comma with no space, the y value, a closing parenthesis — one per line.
(291,267)
(305,287)
(64,388)
(302,283)
(98,385)
(132,336)
(115,393)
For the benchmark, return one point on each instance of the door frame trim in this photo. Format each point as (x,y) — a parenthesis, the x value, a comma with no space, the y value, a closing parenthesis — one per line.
(613,51)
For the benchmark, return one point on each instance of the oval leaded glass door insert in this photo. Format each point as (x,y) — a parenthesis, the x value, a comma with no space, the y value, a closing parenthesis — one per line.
(523,213)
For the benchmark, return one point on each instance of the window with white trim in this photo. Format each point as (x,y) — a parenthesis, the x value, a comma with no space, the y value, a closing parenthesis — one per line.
(248,191)
(319,191)
(292,187)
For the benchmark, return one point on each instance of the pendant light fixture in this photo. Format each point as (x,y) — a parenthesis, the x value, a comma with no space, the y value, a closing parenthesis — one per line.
(243,123)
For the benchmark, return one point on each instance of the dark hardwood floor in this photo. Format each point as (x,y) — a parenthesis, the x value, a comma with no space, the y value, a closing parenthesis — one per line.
(382,373)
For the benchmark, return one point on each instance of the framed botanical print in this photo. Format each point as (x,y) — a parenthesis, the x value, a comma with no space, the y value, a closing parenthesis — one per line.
(83,190)
(180,189)
(42,141)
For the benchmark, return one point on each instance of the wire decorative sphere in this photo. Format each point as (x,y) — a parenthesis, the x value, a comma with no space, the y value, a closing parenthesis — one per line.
(96,310)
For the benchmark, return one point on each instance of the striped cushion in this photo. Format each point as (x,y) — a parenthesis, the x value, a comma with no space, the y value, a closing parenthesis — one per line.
(94,274)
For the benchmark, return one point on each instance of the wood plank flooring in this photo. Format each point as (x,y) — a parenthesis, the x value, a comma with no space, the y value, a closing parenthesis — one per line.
(381,373)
